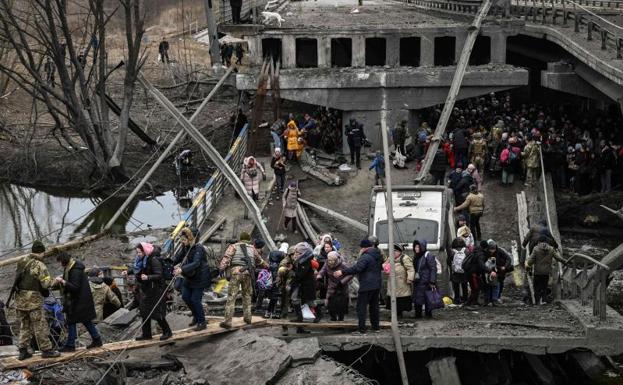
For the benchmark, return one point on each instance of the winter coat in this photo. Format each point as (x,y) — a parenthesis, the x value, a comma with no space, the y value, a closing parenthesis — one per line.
(475,203)
(425,266)
(278,165)
(440,161)
(251,175)
(335,286)
(531,155)
(102,294)
(292,136)
(290,202)
(304,278)
(195,270)
(405,274)
(77,298)
(462,187)
(541,258)
(535,232)
(152,289)
(502,260)
(460,140)
(378,164)
(368,268)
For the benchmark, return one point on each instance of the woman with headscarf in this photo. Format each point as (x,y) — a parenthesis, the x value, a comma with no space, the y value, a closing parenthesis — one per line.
(425,280)
(336,297)
(192,266)
(405,273)
(152,288)
(290,202)
(251,177)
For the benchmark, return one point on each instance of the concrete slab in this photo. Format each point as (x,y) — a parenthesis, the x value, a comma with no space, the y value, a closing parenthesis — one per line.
(603,337)
(304,351)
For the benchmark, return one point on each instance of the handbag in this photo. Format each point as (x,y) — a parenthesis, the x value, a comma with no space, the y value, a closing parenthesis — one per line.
(434,300)
(308,315)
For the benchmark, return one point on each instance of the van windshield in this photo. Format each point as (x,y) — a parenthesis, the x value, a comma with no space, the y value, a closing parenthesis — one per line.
(408,229)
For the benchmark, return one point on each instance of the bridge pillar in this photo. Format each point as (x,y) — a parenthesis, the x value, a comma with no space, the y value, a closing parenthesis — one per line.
(255,49)
(288,55)
(324,52)
(392,51)
(359,51)
(498,48)
(427,50)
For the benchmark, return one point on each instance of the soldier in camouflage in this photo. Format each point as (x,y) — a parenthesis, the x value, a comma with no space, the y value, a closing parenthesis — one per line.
(33,278)
(102,293)
(239,259)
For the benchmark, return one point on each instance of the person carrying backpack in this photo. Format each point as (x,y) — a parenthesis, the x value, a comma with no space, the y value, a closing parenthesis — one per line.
(459,277)
(274,260)
(148,270)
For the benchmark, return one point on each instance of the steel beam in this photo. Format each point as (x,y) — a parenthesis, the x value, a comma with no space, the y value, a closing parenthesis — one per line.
(215,157)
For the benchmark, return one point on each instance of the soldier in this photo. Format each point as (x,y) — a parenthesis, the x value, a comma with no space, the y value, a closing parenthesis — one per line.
(102,293)
(32,281)
(240,260)
(478,152)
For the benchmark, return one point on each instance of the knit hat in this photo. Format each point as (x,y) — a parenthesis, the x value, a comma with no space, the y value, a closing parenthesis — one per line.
(473,188)
(38,247)
(94,272)
(365,243)
(491,243)
(244,237)
(398,247)
(259,243)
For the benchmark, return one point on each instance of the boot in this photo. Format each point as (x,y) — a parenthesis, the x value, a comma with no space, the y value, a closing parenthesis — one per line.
(96,343)
(298,313)
(24,354)
(418,313)
(50,354)
(300,330)
(284,331)
(225,325)
(193,322)
(248,321)
(318,314)
(201,326)
(67,349)
(166,330)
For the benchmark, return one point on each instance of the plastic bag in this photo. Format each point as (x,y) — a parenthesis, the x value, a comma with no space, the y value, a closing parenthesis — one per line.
(308,315)
(434,299)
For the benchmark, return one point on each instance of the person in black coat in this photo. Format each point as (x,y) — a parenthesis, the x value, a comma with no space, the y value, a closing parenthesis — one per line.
(303,284)
(503,263)
(152,303)
(368,269)
(193,269)
(77,302)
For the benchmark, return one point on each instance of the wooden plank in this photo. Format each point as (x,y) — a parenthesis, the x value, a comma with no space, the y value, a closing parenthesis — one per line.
(323,325)
(181,335)
(53,250)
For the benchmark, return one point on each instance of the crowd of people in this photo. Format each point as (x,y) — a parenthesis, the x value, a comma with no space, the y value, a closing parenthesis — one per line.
(582,149)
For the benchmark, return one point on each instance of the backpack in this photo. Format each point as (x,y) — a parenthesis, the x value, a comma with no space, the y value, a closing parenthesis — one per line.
(264,280)
(504,156)
(512,155)
(212,261)
(457,261)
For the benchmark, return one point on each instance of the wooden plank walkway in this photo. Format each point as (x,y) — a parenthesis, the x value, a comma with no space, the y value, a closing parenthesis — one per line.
(324,325)
(181,335)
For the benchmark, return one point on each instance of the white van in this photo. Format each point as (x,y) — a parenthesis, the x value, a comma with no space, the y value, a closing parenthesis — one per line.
(420,212)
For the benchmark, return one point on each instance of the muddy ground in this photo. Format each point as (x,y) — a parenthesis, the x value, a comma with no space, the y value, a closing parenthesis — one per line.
(35,158)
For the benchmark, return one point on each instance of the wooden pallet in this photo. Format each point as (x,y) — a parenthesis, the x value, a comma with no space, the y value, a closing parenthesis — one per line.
(181,335)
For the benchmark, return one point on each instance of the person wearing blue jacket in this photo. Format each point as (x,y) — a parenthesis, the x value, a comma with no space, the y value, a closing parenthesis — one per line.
(368,269)
(425,277)
(194,270)
(378,164)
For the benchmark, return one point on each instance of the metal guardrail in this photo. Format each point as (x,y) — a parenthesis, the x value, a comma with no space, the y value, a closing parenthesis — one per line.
(548,12)
(209,195)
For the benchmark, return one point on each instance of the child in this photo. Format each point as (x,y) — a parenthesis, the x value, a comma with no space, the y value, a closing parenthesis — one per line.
(491,281)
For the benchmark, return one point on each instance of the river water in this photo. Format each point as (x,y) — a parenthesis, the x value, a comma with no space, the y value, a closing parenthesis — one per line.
(27,214)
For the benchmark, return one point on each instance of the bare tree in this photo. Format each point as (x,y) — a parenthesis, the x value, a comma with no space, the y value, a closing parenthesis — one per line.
(39,29)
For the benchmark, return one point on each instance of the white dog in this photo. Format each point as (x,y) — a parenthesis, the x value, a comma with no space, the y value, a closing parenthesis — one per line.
(270,16)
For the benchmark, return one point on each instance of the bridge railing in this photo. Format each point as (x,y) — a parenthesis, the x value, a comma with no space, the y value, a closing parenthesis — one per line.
(584,20)
(552,12)
(576,282)
(208,196)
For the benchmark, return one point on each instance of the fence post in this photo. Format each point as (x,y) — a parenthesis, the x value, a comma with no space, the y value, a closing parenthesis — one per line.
(604,38)
(619,44)
(589,27)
